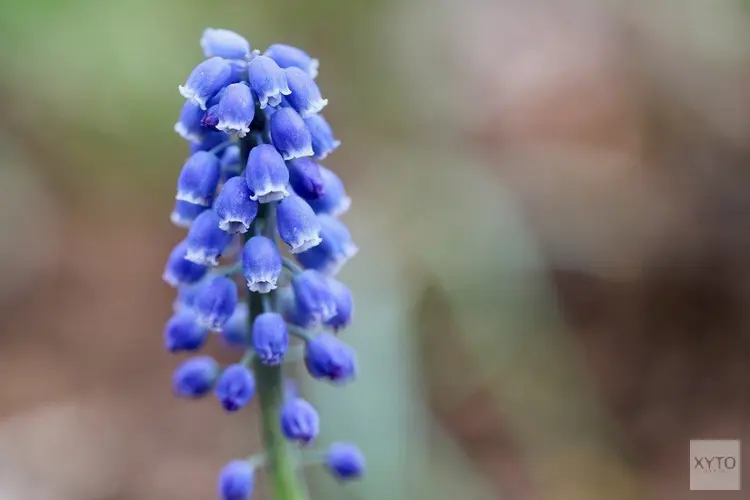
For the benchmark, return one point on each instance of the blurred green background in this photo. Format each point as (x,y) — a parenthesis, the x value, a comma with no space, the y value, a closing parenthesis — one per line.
(551,199)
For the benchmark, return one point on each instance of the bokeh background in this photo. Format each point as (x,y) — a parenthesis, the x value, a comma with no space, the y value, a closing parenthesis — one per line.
(552,201)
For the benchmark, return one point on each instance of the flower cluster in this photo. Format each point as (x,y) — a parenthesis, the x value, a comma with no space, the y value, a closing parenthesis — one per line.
(253,179)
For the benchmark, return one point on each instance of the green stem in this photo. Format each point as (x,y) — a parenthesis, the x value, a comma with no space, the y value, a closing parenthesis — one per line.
(281,463)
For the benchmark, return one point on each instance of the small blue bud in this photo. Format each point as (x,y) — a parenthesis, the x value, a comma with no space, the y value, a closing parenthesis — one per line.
(236,110)
(184,213)
(270,338)
(199,178)
(345,461)
(287,56)
(234,207)
(235,387)
(334,251)
(195,377)
(344,305)
(266,174)
(305,178)
(261,264)
(314,303)
(299,421)
(267,80)
(323,141)
(224,43)
(305,97)
(297,224)
(189,125)
(179,271)
(231,163)
(206,80)
(183,333)
(210,140)
(216,302)
(334,200)
(328,358)
(289,134)
(236,481)
(236,331)
(205,240)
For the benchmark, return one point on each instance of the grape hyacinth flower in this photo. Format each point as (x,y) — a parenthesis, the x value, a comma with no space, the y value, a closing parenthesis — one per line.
(305,178)
(297,224)
(236,110)
(266,174)
(206,80)
(206,241)
(270,338)
(235,207)
(199,178)
(305,96)
(184,213)
(250,187)
(334,200)
(224,43)
(289,134)
(323,140)
(179,270)
(261,264)
(268,81)
(215,303)
(299,421)
(287,56)
(334,251)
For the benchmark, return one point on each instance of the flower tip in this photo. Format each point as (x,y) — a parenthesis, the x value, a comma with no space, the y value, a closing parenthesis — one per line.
(192,95)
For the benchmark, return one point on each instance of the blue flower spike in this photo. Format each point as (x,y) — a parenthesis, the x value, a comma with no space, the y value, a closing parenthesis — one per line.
(289,134)
(268,81)
(225,44)
(288,56)
(206,80)
(251,189)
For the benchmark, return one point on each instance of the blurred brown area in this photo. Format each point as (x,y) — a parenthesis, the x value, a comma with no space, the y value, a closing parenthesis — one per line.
(627,147)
